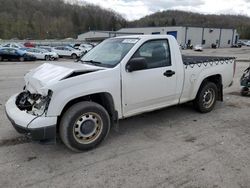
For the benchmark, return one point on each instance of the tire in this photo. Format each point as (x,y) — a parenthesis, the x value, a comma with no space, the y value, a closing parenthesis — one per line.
(47,58)
(21,59)
(206,97)
(244,91)
(73,56)
(84,126)
(1,58)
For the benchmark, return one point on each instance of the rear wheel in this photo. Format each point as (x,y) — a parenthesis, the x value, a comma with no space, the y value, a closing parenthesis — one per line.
(21,59)
(1,58)
(84,126)
(244,91)
(206,97)
(74,56)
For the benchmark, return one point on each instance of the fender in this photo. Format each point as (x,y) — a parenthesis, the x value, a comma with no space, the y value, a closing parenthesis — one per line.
(85,85)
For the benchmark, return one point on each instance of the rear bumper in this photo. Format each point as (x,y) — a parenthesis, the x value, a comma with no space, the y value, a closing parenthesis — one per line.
(38,128)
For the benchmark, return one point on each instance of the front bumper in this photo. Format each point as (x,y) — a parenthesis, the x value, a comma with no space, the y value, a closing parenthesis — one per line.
(38,128)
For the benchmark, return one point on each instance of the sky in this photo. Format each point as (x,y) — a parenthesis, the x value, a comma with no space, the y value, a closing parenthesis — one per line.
(135,9)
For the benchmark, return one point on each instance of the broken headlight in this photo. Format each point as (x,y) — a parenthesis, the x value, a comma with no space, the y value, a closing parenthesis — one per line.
(34,104)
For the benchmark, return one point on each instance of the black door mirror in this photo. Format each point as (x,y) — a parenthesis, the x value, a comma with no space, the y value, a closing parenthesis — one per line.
(135,64)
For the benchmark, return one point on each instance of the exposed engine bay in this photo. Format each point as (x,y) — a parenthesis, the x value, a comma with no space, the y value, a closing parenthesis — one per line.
(34,104)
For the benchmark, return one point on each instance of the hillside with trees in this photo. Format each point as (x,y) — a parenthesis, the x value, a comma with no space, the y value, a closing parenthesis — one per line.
(57,19)
(181,18)
(45,19)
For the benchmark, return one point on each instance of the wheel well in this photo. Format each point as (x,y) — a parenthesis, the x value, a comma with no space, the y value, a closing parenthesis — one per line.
(104,99)
(217,80)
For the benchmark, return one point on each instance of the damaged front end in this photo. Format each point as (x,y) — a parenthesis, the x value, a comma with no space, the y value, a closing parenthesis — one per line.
(34,104)
(27,113)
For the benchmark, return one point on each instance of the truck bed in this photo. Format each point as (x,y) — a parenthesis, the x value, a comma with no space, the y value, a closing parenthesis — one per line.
(190,60)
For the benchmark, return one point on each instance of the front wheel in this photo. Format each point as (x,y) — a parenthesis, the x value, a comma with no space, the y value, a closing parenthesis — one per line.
(47,58)
(21,59)
(244,91)
(74,56)
(206,97)
(84,126)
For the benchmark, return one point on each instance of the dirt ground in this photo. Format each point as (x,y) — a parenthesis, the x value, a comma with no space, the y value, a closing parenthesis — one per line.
(173,147)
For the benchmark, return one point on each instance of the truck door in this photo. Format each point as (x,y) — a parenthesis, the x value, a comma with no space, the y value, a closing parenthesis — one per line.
(153,87)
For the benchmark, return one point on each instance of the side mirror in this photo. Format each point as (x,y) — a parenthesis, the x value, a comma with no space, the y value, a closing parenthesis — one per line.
(135,64)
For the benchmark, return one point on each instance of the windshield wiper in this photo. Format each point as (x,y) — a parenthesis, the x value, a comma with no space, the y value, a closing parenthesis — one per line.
(96,63)
(92,62)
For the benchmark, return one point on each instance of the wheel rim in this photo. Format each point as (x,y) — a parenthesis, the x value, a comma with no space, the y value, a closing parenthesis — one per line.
(47,58)
(87,128)
(208,98)
(21,59)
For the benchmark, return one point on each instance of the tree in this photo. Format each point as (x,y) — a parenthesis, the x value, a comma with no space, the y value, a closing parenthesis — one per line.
(40,19)
(173,22)
(182,18)
(152,24)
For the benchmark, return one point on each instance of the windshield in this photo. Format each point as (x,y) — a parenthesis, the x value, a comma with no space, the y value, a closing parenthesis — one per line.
(70,48)
(46,48)
(43,50)
(110,52)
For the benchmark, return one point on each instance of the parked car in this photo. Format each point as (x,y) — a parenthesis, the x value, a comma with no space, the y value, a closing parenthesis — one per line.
(86,47)
(29,45)
(12,45)
(119,78)
(94,43)
(241,43)
(247,43)
(237,45)
(48,48)
(75,45)
(198,48)
(15,54)
(66,51)
(41,54)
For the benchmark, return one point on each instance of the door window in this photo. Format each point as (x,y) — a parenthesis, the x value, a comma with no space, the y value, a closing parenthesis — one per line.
(156,53)
(59,48)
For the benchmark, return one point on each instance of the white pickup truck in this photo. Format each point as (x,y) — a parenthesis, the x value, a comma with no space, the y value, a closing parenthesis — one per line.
(119,78)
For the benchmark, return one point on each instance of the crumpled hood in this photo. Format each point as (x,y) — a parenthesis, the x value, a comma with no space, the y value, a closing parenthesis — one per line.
(47,74)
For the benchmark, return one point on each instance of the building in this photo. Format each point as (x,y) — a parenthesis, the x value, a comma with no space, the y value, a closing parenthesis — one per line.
(184,35)
(193,35)
(95,36)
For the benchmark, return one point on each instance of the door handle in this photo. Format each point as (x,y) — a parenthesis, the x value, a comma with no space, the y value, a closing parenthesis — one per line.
(169,73)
